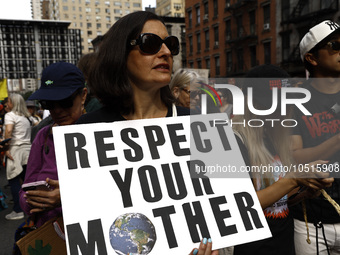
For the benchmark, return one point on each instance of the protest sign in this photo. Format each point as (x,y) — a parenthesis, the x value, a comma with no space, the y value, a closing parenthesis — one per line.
(142,187)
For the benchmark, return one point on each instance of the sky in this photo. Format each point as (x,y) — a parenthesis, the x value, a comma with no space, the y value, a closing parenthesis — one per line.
(21,9)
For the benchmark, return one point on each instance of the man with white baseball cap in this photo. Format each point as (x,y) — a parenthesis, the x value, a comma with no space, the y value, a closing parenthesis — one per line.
(317,137)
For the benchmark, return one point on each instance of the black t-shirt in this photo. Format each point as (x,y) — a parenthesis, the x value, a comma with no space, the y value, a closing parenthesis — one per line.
(106,114)
(314,130)
(281,227)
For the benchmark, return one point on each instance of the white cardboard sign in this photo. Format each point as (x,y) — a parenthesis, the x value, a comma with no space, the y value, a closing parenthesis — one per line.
(132,187)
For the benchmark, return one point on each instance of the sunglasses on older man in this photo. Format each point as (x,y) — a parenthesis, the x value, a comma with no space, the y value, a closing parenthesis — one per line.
(151,44)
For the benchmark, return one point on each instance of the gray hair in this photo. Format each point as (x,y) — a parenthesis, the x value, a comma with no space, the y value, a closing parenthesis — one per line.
(182,78)
(19,105)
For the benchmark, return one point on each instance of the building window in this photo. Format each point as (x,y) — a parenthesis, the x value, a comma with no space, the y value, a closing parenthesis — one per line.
(127,4)
(229,58)
(89,25)
(207,63)
(88,9)
(65,8)
(168,28)
(198,15)
(108,18)
(99,26)
(107,10)
(239,26)
(117,11)
(216,37)
(285,9)
(215,8)
(117,3)
(252,50)
(217,65)
(285,46)
(240,62)
(252,22)
(136,5)
(80,9)
(267,53)
(227,4)
(227,30)
(190,18)
(177,6)
(199,64)
(191,64)
(198,42)
(206,8)
(206,38)
(89,33)
(97,10)
(190,45)
(266,14)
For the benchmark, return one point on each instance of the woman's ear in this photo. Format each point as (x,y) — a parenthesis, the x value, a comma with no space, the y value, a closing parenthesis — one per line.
(83,96)
(175,92)
(310,58)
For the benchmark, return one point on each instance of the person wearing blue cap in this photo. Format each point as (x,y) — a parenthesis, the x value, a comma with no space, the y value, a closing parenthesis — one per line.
(63,93)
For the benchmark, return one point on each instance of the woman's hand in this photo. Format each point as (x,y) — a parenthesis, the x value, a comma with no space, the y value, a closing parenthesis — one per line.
(311,176)
(204,248)
(42,200)
(8,155)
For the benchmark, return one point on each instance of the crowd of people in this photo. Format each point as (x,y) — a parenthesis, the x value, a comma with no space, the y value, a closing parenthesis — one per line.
(130,77)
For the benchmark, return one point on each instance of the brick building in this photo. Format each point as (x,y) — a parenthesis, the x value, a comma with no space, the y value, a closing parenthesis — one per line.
(231,36)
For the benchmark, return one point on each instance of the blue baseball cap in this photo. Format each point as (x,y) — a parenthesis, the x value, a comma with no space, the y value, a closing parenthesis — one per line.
(59,81)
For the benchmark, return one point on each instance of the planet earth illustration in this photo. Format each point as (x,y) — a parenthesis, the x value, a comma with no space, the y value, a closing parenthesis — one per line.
(132,233)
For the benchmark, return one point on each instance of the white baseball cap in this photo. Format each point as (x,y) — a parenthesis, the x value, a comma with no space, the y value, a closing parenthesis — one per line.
(316,34)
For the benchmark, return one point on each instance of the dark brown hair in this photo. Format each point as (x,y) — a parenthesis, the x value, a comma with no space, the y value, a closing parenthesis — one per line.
(108,78)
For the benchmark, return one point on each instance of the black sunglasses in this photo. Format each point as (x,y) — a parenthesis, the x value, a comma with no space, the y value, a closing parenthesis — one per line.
(151,43)
(334,45)
(65,103)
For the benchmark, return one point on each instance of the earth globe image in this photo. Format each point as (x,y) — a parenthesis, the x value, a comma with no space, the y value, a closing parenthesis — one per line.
(132,233)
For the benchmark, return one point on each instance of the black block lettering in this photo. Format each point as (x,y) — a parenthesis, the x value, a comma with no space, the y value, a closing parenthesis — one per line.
(175,139)
(221,215)
(124,186)
(201,145)
(196,219)
(247,208)
(103,147)
(169,180)
(164,213)
(95,236)
(138,151)
(145,185)
(154,141)
(71,150)
(196,177)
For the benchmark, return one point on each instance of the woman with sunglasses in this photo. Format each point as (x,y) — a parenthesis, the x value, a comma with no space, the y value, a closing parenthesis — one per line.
(63,93)
(131,74)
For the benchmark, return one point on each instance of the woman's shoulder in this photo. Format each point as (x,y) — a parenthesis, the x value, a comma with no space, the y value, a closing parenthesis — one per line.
(182,111)
(104,114)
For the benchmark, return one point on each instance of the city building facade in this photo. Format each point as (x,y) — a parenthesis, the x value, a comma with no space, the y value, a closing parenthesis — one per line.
(92,17)
(229,37)
(298,16)
(28,46)
(170,8)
